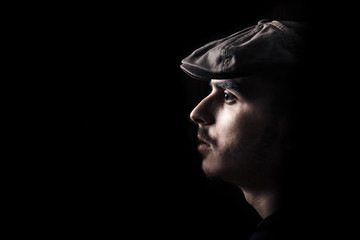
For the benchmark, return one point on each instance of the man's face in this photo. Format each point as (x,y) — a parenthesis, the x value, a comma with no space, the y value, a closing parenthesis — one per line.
(239,134)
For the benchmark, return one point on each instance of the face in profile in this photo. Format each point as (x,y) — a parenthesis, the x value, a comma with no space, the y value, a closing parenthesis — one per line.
(240,131)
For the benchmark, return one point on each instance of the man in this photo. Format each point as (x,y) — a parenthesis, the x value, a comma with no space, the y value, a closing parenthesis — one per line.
(247,124)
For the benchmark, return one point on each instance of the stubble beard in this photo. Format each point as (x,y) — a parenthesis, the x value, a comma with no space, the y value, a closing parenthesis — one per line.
(238,164)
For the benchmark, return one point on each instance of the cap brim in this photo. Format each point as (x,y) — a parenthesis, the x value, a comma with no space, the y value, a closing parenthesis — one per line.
(196,72)
(203,75)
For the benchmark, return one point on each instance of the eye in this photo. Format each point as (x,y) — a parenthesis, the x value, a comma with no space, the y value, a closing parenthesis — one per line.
(229,98)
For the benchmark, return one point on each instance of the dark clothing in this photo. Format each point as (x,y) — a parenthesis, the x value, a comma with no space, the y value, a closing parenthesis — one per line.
(270,228)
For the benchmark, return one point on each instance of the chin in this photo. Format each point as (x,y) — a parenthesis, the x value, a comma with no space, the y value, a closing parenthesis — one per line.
(212,168)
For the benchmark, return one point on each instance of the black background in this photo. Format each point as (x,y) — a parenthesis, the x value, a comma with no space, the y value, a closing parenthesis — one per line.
(107,131)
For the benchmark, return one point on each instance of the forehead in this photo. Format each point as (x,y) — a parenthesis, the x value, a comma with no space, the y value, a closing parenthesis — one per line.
(226,84)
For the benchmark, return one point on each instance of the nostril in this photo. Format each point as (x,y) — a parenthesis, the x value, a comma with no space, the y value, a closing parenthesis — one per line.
(199,120)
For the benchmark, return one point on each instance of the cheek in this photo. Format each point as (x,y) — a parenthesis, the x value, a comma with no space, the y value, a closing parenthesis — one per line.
(239,136)
(232,147)
(240,127)
(232,124)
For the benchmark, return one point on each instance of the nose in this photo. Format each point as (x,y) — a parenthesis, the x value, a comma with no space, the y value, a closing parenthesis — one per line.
(202,113)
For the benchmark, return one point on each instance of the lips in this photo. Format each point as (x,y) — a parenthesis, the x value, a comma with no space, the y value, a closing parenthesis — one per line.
(203,144)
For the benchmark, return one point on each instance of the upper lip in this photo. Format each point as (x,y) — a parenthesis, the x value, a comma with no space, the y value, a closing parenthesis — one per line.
(202,140)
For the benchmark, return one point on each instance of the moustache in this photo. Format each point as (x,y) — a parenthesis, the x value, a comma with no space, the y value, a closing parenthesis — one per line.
(204,135)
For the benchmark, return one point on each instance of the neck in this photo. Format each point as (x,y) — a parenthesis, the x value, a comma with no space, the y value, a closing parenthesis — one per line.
(265,202)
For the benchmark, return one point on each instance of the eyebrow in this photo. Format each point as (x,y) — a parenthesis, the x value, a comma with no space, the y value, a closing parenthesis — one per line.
(231,85)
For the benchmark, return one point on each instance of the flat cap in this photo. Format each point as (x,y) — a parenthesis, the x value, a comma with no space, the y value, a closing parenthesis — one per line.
(268,46)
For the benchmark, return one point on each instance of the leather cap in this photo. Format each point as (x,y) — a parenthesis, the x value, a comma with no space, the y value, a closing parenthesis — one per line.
(269,46)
